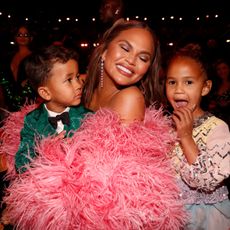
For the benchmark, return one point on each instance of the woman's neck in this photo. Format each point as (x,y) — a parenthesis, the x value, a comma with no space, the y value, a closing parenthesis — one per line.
(102,97)
(24,50)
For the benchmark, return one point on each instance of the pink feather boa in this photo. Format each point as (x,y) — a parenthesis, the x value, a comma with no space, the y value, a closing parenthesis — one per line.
(10,136)
(108,176)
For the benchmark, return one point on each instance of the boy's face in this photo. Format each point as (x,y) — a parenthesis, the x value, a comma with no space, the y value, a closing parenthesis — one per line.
(64,87)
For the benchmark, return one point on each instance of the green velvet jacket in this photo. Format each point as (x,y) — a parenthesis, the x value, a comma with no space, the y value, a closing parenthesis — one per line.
(37,127)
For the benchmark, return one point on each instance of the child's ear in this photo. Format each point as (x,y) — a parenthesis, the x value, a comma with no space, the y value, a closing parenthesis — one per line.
(44,93)
(207,87)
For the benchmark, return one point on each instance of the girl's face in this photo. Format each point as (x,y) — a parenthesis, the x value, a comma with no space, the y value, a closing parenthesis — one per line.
(186,84)
(128,56)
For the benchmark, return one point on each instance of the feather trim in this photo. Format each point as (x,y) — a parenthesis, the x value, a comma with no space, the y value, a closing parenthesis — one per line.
(10,136)
(107,176)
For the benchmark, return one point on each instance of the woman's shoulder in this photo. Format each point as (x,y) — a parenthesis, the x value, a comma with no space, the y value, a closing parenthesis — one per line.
(128,96)
(131,92)
(129,103)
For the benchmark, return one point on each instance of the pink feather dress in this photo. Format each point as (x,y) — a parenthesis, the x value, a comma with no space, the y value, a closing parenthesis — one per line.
(107,176)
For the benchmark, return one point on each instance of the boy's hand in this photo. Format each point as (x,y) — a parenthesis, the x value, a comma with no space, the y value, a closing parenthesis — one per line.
(60,136)
(3,162)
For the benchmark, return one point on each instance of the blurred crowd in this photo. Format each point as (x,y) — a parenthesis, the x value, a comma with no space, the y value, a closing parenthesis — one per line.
(24,38)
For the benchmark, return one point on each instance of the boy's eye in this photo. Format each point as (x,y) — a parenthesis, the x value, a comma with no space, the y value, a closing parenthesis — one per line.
(78,76)
(69,79)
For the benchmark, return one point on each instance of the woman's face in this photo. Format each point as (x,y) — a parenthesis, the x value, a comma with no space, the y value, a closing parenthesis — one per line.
(23,36)
(223,71)
(128,56)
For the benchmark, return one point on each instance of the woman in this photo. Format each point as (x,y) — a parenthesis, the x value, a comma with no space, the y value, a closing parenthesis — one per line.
(220,98)
(114,172)
(124,71)
(14,80)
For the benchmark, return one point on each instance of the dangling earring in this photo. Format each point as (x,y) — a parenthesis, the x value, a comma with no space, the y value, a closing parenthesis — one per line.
(101,76)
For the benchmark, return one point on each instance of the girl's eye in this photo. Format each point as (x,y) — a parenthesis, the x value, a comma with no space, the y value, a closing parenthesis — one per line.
(171,82)
(188,82)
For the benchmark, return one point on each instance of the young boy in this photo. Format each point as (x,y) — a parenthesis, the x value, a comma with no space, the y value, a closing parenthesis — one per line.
(53,74)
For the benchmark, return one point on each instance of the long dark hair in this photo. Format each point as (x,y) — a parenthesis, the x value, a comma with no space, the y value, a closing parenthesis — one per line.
(149,84)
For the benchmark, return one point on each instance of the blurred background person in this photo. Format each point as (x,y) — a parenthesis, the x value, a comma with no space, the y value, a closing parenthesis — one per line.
(110,11)
(220,98)
(13,78)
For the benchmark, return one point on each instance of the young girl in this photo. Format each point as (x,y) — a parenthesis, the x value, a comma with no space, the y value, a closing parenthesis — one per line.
(201,156)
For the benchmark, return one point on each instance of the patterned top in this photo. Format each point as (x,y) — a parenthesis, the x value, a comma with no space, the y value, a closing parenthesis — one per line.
(202,181)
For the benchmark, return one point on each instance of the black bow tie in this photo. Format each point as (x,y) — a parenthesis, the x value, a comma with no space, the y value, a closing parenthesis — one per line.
(64,117)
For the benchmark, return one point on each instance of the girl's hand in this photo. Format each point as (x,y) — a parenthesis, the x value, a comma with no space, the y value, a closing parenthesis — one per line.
(183,119)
